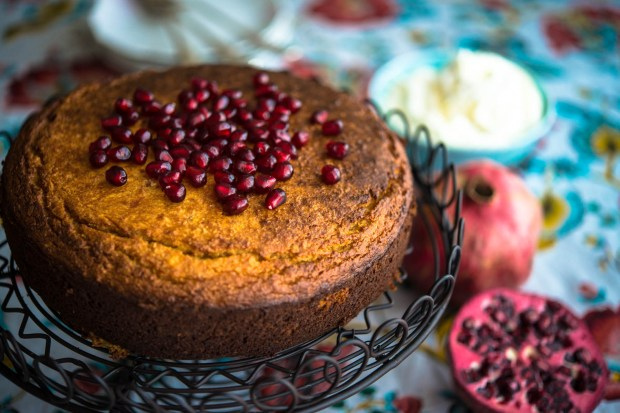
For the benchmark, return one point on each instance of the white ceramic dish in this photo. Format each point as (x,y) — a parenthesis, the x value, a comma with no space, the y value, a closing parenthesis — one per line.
(392,72)
(201,31)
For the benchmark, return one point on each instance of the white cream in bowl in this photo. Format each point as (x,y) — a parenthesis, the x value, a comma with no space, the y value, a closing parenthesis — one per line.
(478,100)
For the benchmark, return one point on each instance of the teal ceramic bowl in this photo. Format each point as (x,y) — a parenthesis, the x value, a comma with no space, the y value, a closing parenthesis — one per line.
(395,70)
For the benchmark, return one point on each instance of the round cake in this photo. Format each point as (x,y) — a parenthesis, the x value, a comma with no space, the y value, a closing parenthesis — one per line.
(168,265)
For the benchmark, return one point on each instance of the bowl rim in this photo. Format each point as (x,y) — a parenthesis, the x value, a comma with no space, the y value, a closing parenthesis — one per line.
(394,69)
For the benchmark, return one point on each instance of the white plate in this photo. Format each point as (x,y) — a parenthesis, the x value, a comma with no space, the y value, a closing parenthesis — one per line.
(201,31)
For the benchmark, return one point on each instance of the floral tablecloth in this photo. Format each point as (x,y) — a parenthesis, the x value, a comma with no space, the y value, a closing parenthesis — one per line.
(573,48)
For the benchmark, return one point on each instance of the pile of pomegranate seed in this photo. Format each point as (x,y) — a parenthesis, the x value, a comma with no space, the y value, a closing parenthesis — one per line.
(247,148)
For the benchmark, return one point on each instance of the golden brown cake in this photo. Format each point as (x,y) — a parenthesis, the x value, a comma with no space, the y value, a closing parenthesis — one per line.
(187,279)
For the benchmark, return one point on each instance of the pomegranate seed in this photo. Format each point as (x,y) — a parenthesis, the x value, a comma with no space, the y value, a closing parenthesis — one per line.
(102,143)
(196,176)
(266,163)
(330,174)
(123,105)
(332,127)
(139,153)
(283,171)
(277,119)
(280,110)
(239,103)
(213,87)
(163,155)
(292,104)
(257,123)
(280,154)
(278,136)
(235,204)
(261,148)
(172,177)
(131,118)
(180,152)
(216,117)
(211,150)
(279,125)
(98,159)
(261,114)
(196,134)
(206,112)
(142,136)
(156,168)
(153,108)
(320,116)
(259,134)
(275,198)
(244,115)
(223,177)
(260,79)
(169,109)
(244,167)
(288,148)
(179,164)
(267,104)
(159,122)
(160,144)
(122,135)
(195,119)
(199,159)
(164,133)
(223,191)
(175,192)
(202,135)
(116,176)
(142,96)
(239,136)
(245,183)
(220,164)
(337,150)
(265,90)
(279,96)
(198,83)
(246,154)
(263,183)
(111,122)
(190,105)
(176,137)
(229,112)
(220,143)
(232,93)
(235,147)
(202,95)
(119,153)
(221,103)
(300,139)
(222,129)
(192,145)
(178,122)
(185,95)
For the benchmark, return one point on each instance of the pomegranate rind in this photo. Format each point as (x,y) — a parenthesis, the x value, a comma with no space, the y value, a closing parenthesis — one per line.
(500,240)
(462,356)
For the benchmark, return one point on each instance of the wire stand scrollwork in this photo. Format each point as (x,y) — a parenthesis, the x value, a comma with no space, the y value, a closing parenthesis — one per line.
(55,363)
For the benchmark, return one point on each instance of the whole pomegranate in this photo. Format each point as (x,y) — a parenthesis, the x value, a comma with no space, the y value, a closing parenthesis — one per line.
(518,352)
(502,222)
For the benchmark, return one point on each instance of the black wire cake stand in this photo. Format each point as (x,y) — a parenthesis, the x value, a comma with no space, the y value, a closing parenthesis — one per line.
(57,364)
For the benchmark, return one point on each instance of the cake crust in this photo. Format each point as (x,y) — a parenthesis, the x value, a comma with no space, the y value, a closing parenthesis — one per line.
(183,280)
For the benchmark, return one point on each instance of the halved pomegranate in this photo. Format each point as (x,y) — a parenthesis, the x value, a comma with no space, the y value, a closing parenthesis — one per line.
(518,352)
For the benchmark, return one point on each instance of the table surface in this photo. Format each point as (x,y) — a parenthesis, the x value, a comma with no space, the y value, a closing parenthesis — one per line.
(572,47)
